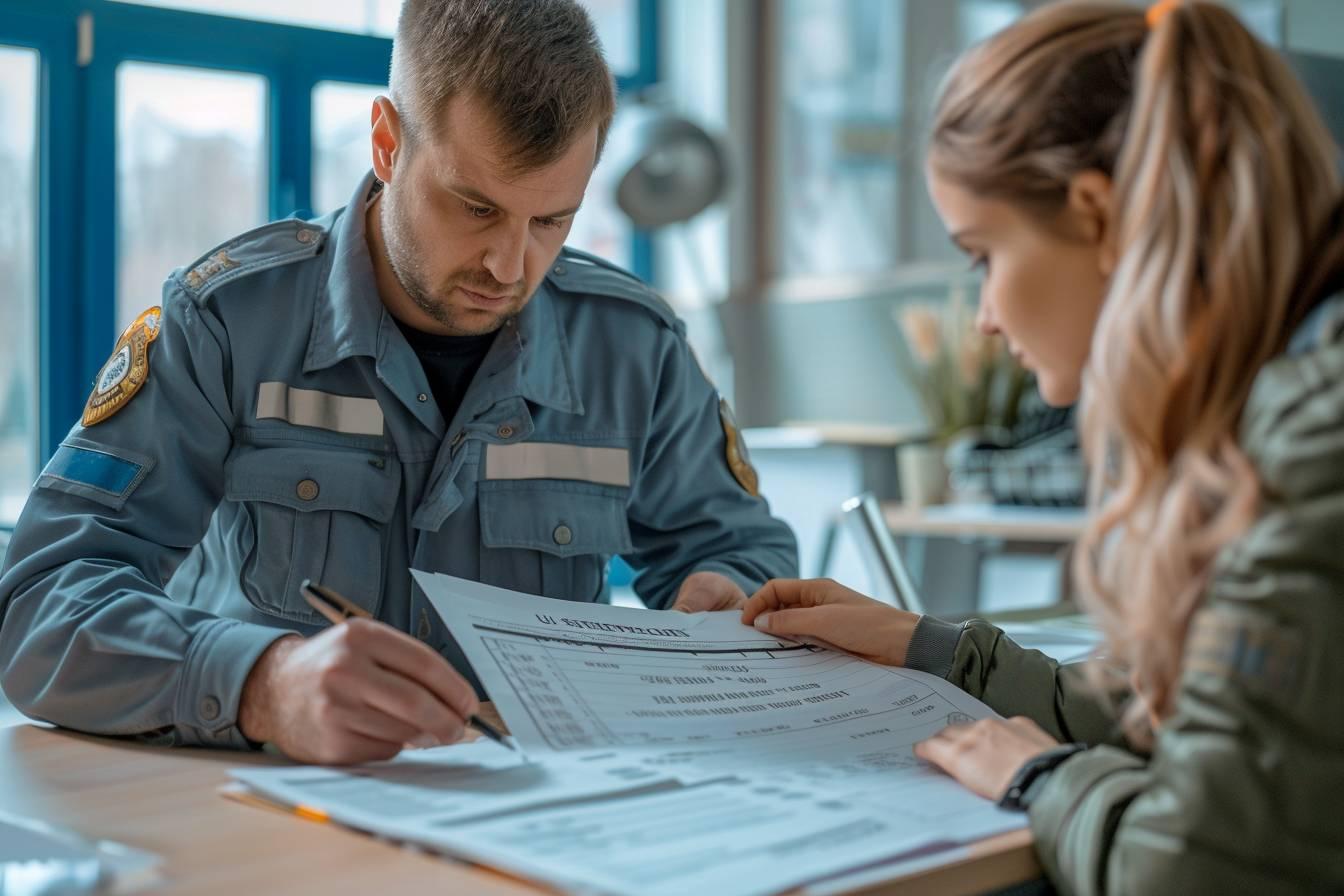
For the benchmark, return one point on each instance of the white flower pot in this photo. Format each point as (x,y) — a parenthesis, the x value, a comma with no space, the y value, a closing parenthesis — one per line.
(923,475)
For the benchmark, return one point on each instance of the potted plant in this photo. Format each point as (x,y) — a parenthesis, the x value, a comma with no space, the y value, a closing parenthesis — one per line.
(969,386)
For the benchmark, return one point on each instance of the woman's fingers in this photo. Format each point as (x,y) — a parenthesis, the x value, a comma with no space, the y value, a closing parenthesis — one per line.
(817,622)
(984,755)
(775,594)
(942,748)
(778,594)
(873,631)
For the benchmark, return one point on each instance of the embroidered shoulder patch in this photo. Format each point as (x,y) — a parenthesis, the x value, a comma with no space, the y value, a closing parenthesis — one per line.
(125,372)
(220,261)
(738,462)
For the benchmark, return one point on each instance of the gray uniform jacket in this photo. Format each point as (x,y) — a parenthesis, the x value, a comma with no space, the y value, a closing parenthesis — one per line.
(1241,791)
(286,430)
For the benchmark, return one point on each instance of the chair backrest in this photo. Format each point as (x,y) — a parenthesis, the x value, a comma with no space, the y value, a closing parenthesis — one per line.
(861,517)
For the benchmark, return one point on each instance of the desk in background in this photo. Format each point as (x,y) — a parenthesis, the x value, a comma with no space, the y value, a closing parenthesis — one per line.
(1045,525)
(166,800)
(947,549)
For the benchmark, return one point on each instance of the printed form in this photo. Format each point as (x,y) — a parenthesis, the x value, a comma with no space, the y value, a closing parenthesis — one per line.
(703,696)
(670,753)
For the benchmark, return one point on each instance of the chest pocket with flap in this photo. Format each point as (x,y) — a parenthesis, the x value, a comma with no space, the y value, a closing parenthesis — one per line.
(313,513)
(551,537)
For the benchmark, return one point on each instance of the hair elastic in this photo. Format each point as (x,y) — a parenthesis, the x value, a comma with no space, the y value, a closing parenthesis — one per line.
(1158,11)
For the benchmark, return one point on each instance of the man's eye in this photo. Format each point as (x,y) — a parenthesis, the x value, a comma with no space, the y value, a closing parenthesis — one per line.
(478,211)
(548,223)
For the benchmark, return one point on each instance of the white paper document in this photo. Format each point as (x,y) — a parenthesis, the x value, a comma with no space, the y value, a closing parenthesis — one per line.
(732,836)
(671,754)
(703,696)
(421,790)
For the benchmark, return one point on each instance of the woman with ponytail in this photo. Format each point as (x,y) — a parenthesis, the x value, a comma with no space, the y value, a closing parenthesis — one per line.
(1157,209)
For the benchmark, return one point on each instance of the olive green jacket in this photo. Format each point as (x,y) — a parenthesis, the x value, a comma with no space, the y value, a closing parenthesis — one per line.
(1244,790)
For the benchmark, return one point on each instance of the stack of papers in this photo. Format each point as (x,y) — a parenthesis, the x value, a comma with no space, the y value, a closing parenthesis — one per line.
(666,753)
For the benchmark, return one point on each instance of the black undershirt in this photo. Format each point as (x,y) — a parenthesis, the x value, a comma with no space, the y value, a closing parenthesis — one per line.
(450,363)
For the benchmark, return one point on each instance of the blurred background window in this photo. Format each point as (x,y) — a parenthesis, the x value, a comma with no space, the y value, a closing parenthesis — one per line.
(18,279)
(618,27)
(341,150)
(617,20)
(191,171)
(599,227)
(377,17)
(837,137)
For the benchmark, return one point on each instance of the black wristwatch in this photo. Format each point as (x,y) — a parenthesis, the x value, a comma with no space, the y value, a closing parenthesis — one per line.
(1026,784)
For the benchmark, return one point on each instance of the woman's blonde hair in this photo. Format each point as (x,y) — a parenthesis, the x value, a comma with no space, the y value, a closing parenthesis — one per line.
(1226,198)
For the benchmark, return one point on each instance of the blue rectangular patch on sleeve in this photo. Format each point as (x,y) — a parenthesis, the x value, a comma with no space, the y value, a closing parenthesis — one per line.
(95,469)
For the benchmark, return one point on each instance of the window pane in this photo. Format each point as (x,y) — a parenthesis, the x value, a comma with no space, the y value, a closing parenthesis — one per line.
(838,178)
(601,227)
(191,171)
(618,27)
(18,279)
(341,152)
(617,20)
(361,16)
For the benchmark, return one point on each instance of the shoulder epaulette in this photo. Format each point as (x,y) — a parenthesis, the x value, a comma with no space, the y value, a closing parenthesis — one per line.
(580,272)
(268,246)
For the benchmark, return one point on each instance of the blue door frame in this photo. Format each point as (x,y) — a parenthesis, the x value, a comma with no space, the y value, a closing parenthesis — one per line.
(77,110)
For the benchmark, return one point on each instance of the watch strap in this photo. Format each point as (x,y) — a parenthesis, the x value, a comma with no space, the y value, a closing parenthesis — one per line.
(1028,780)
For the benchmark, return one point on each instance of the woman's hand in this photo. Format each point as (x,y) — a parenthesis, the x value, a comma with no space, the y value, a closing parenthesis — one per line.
(983,756)
(820,611)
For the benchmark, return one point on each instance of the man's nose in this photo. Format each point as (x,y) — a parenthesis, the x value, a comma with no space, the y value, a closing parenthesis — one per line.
(504,258)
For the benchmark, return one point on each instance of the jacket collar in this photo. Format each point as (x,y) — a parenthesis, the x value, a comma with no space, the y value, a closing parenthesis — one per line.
(348,313)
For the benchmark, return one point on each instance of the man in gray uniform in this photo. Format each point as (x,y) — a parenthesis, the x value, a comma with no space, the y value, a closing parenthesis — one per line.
(423,379)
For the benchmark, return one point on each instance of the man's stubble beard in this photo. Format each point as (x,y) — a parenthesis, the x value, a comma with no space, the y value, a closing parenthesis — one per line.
(401,253)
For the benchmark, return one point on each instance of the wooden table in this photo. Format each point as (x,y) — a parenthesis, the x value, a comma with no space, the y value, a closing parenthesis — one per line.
(166,801)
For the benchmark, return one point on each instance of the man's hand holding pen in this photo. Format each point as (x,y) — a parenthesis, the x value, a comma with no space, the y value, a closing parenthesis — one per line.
(358,691)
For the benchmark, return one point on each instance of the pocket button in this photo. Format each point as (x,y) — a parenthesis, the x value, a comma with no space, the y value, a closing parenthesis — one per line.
(563,535)
(307,490)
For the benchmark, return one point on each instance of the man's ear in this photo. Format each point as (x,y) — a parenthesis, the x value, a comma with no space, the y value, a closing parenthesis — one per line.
(1090,205)
(386,138)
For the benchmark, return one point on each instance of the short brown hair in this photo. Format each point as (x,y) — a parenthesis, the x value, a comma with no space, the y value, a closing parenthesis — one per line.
(536,64)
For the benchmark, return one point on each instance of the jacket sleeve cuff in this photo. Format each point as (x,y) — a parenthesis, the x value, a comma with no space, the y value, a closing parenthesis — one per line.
(1073,818)
(217,665)
(933,646)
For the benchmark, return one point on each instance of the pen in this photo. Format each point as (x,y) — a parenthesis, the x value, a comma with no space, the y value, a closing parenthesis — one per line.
(336,608)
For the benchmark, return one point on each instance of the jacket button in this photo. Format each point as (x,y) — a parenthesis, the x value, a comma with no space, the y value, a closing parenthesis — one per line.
(559,270)
(304,236)
(504,431)
(210,709)
(423,630)
(307,490)
(562,535)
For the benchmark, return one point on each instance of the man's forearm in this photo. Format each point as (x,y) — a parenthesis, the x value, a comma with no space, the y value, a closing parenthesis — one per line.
(258,703)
